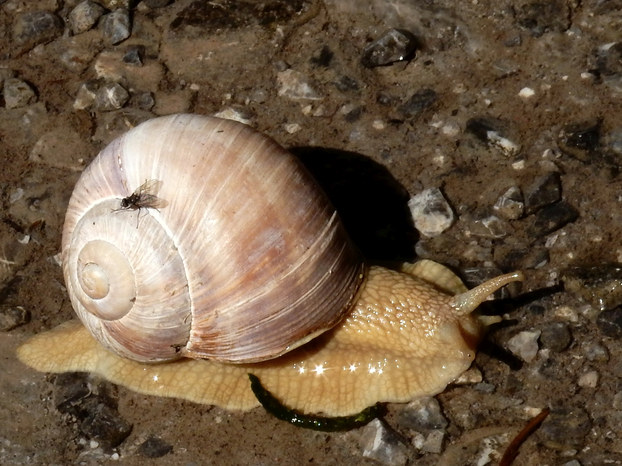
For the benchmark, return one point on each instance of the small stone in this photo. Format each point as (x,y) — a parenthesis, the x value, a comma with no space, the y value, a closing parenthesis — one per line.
(588,380)
(510,204)
(296,86)
(84,16)
(134,55)
(105,425)
(382,444)
(236,114)
(524,345)
(494,132)
(545,190)
(432,442)
(111,96)
(394,45)
(423,415)
(565,428)
(18,93)
(144,100)
(596,353)
(117,26)
(431,212)
(610,323)
(609,59)
(552,218)
(420,101)
(34,28)
(580,140)
(86,96)
(600,285)
(12,317)
(556,336)
(489,227)
(617,401)
(526,93)
(154,447)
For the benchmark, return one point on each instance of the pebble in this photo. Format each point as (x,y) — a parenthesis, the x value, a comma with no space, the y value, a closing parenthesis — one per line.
(392,46)
(237,114)
(488,227)
(144,100)
(85,98)
(600,285)
(596,352)
(565,428)
(580,140)
(588,380)
(382,444)
(18,93)
(34,28)
(552,218)
(510,204)
(105,424)
(90,403)
(431,212)
(419,101)
(555,336)
(494,132)
(134,55)
(12,317)
(116,26)
(524,344)
(296,86)
(432,442)
(84,16)
(422,415)
(154,447)
(609,59)
(545,190)
(111,96)
(610,323)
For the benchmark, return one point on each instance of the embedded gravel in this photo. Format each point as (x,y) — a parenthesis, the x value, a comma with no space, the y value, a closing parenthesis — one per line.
(509,113)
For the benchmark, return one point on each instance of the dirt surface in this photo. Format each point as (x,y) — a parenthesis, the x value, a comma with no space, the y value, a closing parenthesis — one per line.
(495,95)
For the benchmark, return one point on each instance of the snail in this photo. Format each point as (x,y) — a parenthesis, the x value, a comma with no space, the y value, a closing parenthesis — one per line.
(196,251)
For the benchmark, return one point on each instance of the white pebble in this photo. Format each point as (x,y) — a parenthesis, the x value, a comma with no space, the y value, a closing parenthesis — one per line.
(431,212)
(526,92)
(525,344)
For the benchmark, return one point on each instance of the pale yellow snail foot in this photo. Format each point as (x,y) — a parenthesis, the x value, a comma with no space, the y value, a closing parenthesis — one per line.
(71,348)
(407,337)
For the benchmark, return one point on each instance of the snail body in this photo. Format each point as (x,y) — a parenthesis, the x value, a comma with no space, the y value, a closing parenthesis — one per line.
(198,241)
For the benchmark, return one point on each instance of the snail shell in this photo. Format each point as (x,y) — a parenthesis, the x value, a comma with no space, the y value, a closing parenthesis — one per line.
(246,259)
(194,236)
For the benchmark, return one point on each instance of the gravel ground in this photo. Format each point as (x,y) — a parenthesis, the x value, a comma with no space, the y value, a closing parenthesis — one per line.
(502,121)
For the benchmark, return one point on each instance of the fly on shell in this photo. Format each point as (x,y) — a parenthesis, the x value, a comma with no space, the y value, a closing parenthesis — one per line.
(144,197)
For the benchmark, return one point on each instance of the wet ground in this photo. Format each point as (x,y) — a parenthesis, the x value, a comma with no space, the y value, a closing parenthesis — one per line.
(511,111)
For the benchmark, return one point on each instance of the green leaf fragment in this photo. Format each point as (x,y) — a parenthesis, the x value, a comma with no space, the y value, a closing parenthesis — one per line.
(311,421)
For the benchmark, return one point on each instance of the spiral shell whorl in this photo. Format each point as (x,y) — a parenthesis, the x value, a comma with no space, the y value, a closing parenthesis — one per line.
(247,260)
